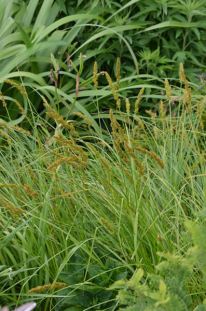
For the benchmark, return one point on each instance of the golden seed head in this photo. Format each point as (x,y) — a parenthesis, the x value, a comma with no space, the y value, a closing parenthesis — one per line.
(19,106)
(114,89)
(128,106)
(5,135)
(113,120)
(46,287)
(21,130)
(168,89)
(18,86)
(118,103)
(151,154)
(162,110)
(2,99)
(83,117)
(138,100)
(140,166)
(58,118)
(187,94)
(10,207)
(77,158)
(109,80)
(182,75)
(29,191)
(9,186)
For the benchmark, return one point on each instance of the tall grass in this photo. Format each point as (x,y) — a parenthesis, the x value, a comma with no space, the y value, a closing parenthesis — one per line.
(78,214)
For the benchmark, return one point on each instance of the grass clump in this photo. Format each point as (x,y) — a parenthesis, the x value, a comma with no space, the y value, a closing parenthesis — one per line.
(79,213)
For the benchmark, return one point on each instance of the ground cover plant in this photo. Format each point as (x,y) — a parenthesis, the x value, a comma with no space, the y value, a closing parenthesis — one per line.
(102,154)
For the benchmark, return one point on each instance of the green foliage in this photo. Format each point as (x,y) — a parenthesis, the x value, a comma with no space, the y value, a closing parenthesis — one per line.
(168,288)
(100,171)
(151,38)
(80,213)
(104,30)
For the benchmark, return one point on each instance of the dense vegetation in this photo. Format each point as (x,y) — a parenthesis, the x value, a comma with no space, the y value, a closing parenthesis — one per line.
(103,158)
